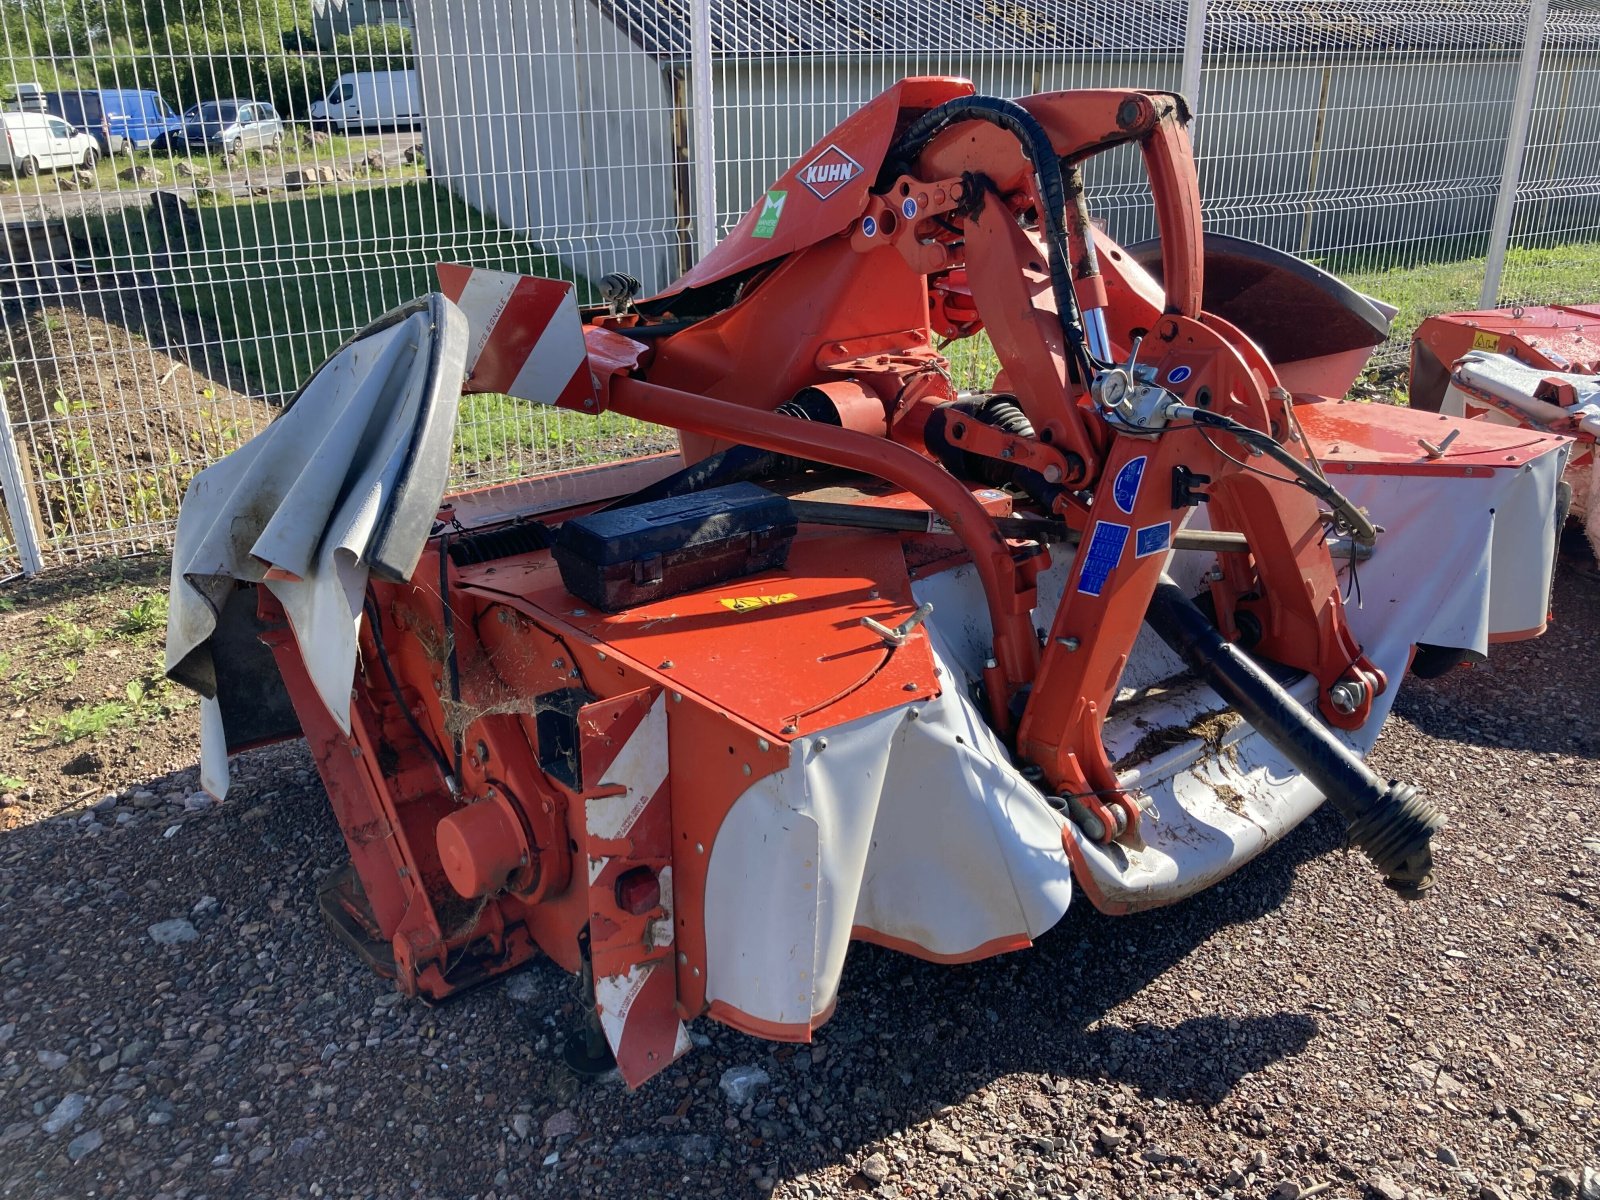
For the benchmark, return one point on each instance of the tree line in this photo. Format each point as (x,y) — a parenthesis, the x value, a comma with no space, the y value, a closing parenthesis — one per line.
(189,50)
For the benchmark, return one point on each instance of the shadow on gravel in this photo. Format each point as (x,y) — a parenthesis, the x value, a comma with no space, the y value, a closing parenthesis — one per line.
(1052,1009)
(1532,695)
(254,975)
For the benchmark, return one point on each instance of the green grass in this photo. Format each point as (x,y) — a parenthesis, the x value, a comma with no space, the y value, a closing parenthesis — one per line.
(283,281)
(144,616)
(494,430)
(347,153)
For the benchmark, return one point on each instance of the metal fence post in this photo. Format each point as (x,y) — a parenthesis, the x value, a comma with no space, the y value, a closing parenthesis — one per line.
(1194,45)
(703,126)
(12,480)
(1505,204)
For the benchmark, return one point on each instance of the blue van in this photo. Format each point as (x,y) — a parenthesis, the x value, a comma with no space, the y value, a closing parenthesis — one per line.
(118,118)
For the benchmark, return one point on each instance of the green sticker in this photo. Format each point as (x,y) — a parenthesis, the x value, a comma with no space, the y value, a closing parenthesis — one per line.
(767,222)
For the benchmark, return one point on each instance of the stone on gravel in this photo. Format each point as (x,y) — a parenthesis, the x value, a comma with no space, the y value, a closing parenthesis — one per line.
(1287,1190)
(197,802)
(697,1148)
(170,933)
(52,1060)
(875,1168)
(1382,1187)
(64,1113)
(740,1084)
(940,1142)
(84,1144)
(522,1125)
(141,174)
(1109,1137)
(521,988)
(6,1030)
(561,1124)
(1589,1189)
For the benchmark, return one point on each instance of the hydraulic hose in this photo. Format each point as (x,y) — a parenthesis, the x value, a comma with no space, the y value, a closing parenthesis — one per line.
(1036,145)
(1389,822)
(1347,516)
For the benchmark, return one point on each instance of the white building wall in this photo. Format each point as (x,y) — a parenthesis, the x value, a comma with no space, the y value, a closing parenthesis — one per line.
(559,127)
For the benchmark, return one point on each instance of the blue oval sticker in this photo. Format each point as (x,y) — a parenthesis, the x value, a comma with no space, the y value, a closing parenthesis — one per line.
(909,208)
(1125,487)
(869,226)
(1178,374)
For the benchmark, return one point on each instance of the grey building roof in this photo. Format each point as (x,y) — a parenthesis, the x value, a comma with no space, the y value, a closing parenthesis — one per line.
(807,28)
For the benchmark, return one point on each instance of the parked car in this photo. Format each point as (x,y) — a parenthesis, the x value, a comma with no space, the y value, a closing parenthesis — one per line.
(26,97)
(120,119)
(37,142)
(370,100)
(227,125)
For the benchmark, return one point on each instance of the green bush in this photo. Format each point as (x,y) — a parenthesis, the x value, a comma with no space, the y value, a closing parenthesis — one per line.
(181,49)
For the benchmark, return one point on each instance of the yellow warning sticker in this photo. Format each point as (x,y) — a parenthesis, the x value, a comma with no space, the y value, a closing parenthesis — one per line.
(1484,340)
(751,603)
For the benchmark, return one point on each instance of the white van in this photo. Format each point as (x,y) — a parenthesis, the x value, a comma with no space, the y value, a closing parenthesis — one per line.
(35,142)
(370,100)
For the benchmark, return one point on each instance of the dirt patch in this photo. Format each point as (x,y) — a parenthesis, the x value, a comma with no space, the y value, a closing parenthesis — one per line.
(110,427)
(1209,728)
(86,707)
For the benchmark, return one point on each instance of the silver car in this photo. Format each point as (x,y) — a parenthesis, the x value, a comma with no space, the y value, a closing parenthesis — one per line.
(229,126)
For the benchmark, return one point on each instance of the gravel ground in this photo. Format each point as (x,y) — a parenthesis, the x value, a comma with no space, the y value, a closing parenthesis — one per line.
(175,1021)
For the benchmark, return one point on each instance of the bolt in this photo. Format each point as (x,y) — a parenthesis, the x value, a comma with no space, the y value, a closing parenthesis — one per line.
(747,768)
(666,665)
(1069,644)
(1347,696)
(909,687)
(790,729)
(761,744)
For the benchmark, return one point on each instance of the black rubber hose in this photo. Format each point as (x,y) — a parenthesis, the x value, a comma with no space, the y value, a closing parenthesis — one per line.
(1036,145)
(1349,518)
(1390,823)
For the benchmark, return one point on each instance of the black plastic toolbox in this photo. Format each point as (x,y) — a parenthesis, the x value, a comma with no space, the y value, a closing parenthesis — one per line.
(623,557)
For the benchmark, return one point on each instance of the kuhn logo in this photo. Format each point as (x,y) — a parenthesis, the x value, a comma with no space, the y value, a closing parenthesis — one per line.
(829,171)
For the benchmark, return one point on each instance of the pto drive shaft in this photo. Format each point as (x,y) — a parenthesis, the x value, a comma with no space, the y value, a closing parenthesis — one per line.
(1390,823)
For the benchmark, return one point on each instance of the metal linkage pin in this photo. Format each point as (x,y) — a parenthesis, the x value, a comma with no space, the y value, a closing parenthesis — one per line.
(1433,451)
(898,635)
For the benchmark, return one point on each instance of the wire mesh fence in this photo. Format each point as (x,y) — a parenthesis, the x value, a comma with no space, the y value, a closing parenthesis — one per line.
(202,200)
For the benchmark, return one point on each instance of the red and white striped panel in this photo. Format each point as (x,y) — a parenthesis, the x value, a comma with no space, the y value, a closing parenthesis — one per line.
(527,336)
(635,982)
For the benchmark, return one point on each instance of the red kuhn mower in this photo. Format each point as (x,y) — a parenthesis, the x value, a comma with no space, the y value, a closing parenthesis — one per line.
(873,658)
(1533,368)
